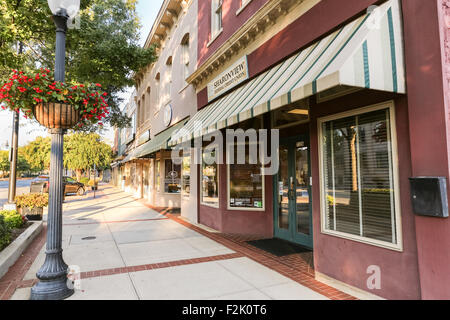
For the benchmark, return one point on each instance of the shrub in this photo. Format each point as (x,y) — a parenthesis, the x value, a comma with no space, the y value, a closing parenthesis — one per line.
(32,200)
(5,234)
(84,180)
(12,219)
(93,183)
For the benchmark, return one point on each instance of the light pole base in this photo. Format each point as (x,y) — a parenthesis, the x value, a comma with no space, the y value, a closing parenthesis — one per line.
(51,290)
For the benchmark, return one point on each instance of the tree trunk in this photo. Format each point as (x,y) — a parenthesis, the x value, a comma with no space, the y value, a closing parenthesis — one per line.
(78,173)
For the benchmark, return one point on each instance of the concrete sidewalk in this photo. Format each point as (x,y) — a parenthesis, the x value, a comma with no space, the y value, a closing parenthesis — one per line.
(128,251)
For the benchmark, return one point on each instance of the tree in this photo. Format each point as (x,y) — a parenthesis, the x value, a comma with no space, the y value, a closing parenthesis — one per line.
(4,162)
(84,150)
(104,50)
(22,163)
(37,154)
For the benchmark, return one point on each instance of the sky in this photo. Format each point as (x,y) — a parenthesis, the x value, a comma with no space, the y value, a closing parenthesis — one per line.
(30,130)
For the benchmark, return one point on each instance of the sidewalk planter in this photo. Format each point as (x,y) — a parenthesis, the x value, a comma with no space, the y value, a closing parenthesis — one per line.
(32,214)
(93,184)
(32,205)
(15,249)
(56,115)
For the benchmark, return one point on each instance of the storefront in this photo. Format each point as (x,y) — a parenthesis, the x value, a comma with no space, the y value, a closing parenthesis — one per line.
(340,109)
(151,174)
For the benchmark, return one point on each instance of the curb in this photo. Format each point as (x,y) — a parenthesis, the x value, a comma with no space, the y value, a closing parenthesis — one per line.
(11,253)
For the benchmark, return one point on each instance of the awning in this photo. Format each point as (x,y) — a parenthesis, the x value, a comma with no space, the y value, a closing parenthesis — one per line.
(115,164)
(366,53)
(129,157)
(159,142)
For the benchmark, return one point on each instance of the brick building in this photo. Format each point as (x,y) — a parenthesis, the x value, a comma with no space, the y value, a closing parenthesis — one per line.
(358,93)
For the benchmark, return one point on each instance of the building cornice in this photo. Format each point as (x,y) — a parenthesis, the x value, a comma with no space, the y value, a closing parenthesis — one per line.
(257,24)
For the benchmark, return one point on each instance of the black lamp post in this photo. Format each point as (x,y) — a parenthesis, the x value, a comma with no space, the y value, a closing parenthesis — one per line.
(53,273)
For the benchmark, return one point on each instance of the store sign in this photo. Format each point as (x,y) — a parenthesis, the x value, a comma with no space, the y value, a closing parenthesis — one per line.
(233,76)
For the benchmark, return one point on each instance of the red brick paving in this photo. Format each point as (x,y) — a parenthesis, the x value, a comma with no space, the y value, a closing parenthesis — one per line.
(107,272)
(12,280)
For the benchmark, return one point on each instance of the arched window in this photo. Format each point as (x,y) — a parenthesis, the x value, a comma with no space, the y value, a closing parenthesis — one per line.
(168,80)
(148,104)
(185,57)
(157,92)
(141,112)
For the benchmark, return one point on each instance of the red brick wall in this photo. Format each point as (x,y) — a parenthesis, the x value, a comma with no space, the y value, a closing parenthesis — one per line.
(231,23)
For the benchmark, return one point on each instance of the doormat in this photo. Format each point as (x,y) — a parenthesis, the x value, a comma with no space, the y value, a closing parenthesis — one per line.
(278,247)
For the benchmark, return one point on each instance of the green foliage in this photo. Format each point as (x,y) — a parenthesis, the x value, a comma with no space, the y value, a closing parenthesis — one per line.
(93,183)
(12,219)
(22,163)
(84,180)
(37,154)
(32,200)
(4,161)
(104,50)
(5,234)
(83,151)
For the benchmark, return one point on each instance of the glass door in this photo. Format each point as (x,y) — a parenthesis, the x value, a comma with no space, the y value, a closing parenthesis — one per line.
(293,220)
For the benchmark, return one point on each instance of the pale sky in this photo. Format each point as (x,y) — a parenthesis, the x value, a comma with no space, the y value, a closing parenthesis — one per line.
(29,130)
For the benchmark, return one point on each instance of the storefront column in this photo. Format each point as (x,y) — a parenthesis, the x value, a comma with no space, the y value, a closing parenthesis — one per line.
(428,103)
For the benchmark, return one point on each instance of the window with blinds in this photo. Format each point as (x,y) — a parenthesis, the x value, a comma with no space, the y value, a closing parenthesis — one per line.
(357,174)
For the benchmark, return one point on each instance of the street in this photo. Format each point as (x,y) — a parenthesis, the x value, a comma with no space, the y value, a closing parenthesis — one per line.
(23,186)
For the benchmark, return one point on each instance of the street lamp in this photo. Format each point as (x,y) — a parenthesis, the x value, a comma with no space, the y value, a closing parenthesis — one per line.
(53,273)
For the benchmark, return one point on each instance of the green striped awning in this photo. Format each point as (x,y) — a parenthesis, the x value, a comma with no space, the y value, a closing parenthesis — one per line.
(159,142)
(366,53)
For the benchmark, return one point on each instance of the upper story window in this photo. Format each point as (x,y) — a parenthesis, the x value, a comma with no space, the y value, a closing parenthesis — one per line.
(147,105)
(139,111)
(142,107)
(185,55)
(168,80)
(216,17)
(157,92)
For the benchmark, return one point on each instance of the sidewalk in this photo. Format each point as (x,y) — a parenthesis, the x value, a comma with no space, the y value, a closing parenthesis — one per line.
(126,250)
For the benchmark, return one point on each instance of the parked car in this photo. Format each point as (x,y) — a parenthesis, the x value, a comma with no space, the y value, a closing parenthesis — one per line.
(41,185)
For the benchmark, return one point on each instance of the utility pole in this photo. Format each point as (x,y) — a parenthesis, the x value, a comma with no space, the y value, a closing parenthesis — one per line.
(13,156)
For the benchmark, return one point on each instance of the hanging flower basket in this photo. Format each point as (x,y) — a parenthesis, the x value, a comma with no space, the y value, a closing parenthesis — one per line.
(55,105)
(56,115)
